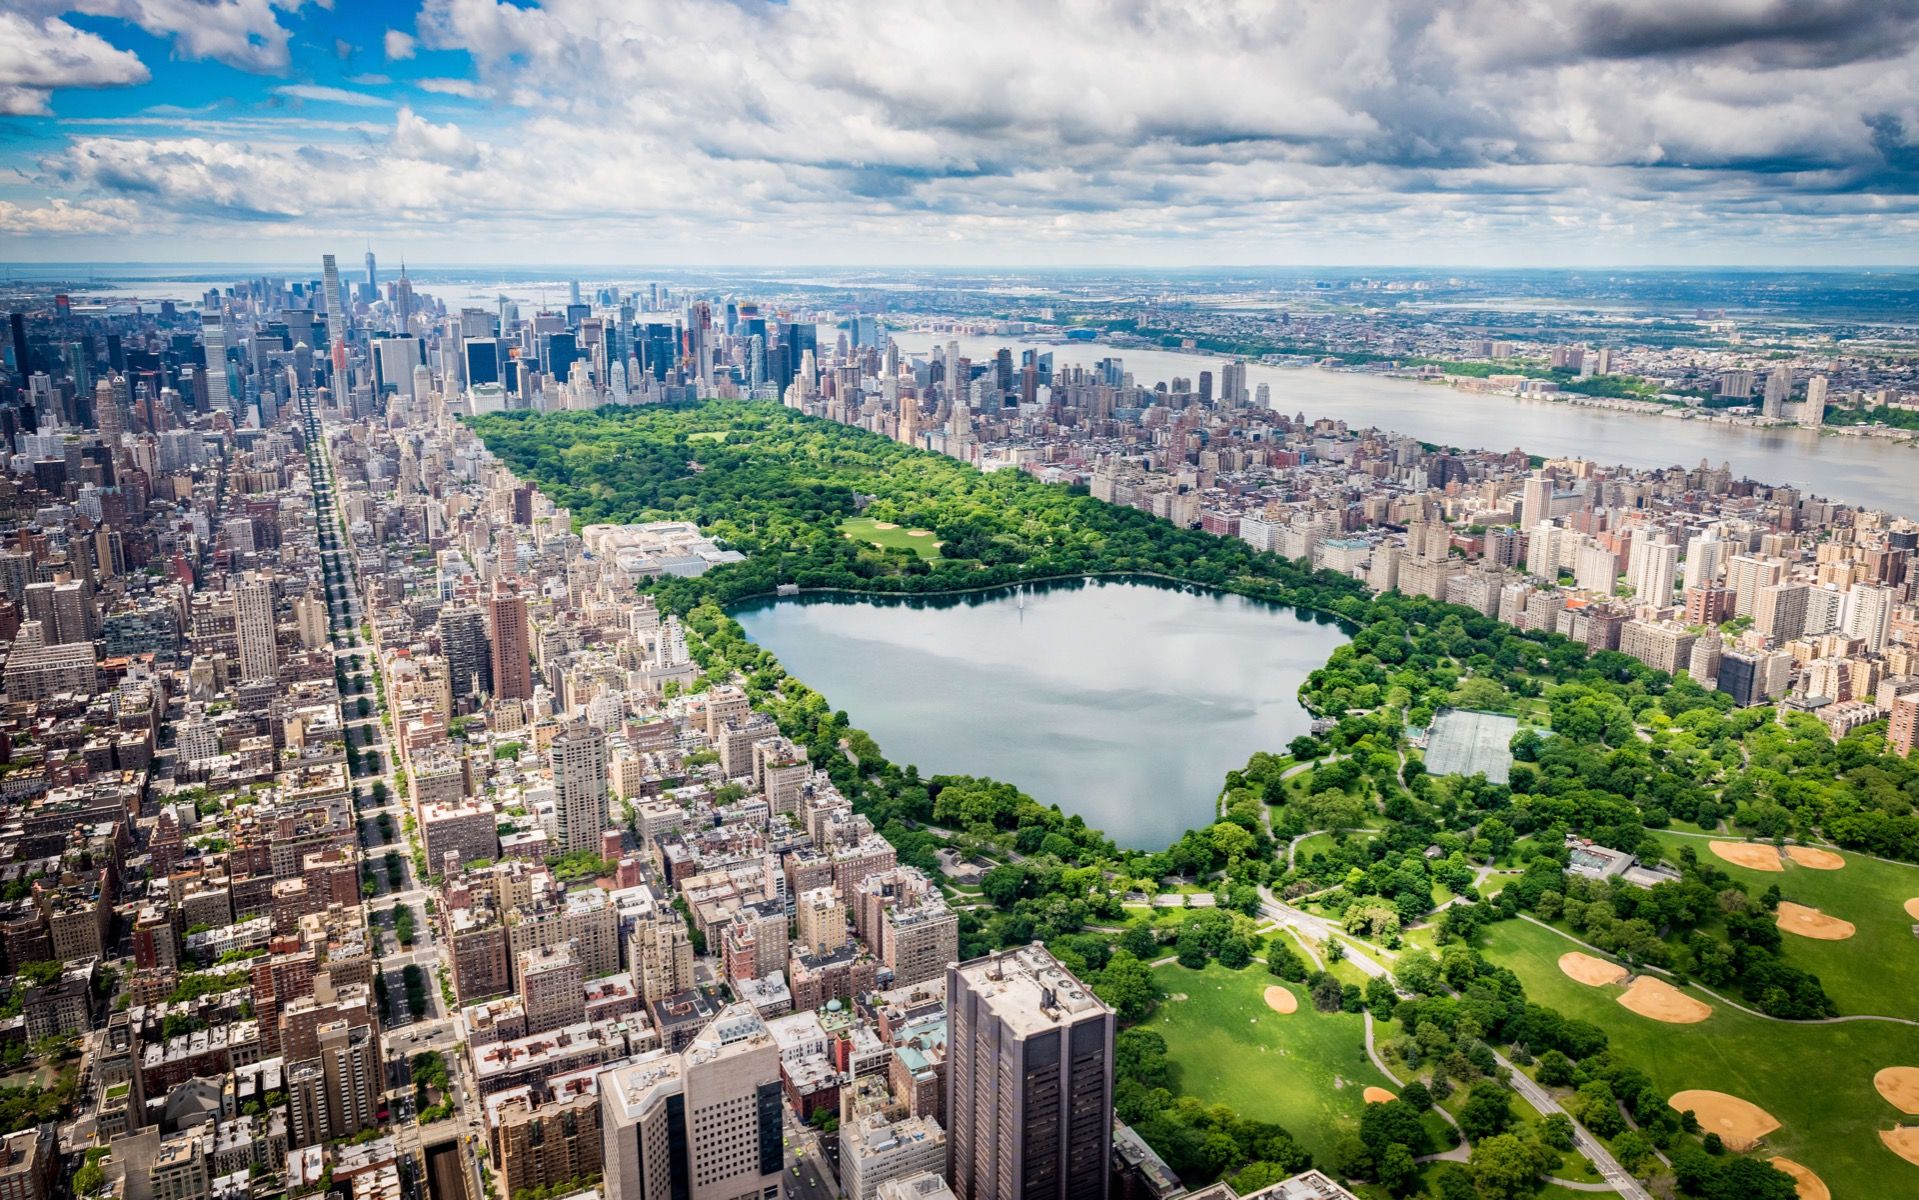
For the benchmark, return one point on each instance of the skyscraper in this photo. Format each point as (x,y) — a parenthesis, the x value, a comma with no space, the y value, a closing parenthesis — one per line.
(512,668)
(330,296)
(469,662)
(1778,391)
(1813,412)
(1029,1083)
(253,626)
(213,332)
(1651,565)
(578,757)
(704,1124)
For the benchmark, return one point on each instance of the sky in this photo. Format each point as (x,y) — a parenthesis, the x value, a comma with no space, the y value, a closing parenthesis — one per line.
(963,132)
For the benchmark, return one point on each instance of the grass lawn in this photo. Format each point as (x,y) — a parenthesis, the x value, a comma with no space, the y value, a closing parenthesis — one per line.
(1876,970)
(1816,1080)
(866,529)
(1229,1048)
(707,435)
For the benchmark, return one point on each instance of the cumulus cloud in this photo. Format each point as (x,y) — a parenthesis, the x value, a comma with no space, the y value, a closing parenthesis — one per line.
(1001,123)
(39,56)
(331,95)
(60,217)
(240,33)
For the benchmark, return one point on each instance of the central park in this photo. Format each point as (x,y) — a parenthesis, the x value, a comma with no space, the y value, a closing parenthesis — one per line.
(1356,962)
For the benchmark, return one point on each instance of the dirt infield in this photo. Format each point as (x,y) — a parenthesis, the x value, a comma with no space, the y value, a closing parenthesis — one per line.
(1753,856)
(1811,923)
(1661,1001)
(1815,858)
(1379,1095)
(1912,908)
(1903,1141)
(1281,1001)
(1900,1087)
(1739,1123)
(1809,1186)
(884,525)
(1593,972)
(919,533)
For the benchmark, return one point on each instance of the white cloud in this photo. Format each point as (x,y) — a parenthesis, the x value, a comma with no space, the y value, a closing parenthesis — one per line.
(240,33)
(1240,128)
(451,87)
(62,217)
(331,95)
(37,57)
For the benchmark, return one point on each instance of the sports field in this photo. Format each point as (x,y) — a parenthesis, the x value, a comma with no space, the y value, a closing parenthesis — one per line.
(1815,1079)
(1229,1047)
(1876,970)
(1472,743)
(891,536)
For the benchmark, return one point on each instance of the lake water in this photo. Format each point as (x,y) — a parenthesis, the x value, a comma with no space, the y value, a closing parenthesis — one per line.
(1853,470)
(1124,702)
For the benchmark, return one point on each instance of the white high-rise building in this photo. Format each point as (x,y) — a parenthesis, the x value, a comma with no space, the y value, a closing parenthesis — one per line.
(1536,499)
(213,332)
(330,296)
(1745,575)
(1868,615)
(1651,566)
(1704,554)
(704,1124)
(253,626)
(579,779)
(1542,550)
(1778,391)
(1812,414)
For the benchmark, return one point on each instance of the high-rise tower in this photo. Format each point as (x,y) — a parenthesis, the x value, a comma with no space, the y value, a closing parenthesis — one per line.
(1029,1082)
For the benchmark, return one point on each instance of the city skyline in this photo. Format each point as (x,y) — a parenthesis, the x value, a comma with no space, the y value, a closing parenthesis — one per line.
(1474,133)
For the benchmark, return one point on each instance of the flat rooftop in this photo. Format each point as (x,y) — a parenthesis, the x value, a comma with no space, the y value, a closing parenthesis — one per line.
(1030,991)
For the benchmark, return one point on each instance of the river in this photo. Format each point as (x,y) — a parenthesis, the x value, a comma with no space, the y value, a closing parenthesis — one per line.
(1853,470)
(1125,702)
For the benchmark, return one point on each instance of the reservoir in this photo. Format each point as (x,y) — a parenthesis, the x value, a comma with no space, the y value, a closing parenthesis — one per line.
(1123,702)
(1853,470)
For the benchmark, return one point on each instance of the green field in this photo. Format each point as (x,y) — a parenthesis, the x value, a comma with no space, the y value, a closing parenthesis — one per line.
(1229,1048)
(1816,1080)
(1877,969)
(866,529)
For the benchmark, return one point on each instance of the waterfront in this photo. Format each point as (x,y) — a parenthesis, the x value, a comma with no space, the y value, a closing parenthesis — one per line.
(1123,702)
(1852,470)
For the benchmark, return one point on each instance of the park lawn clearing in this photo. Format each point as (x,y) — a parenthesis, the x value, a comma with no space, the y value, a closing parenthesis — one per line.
(1874,972)
(890,536)
(1811,923)
(1815,1079)
(1307,1072)
(1657,1000)
(708,435)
